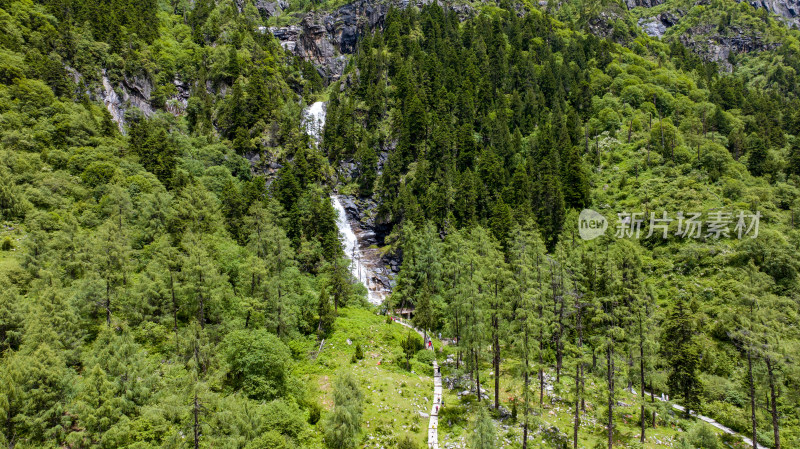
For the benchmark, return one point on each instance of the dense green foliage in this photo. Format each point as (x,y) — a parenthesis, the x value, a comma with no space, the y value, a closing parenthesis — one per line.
(495,130)
(152,281)
(166,269)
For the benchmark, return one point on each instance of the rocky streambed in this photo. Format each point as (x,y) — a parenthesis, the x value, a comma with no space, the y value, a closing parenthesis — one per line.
(361,235)
(362,239)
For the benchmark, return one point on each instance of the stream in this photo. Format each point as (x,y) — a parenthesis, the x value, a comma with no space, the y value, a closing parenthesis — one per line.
(363,261)
(314,120)
(361,265)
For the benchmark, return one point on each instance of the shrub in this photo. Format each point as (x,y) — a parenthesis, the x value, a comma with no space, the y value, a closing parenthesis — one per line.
(6,245)
(284,417)
(314,413)
(344,423)
(268,440)
(453,414)
(425,356)
(729,415)
(702,437)
(98,173)
(298,348)
(407,443)
(411,344)
(258,363)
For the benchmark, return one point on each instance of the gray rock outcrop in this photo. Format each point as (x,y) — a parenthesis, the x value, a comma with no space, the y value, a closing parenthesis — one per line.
(789,10)
(133,92)
(657,26)
(269,9)
(644,3)
(324,38)
(715,47)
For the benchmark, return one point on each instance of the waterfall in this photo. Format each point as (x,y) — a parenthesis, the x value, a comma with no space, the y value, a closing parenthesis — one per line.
(314,122)
(314,119)
(360,270)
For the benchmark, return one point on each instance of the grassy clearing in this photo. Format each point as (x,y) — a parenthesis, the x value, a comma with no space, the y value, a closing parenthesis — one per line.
(552,421)
(393,396)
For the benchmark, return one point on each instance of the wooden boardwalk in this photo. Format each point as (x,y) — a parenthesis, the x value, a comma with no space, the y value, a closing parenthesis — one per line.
(433,426)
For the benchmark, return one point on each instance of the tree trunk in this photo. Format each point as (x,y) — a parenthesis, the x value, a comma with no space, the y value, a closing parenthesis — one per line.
(559,343)
(752,397)
(108,304)
(578,397)
(774,403)
(477,376)
(458,343)
(630,125)
(558,311)
(610,363)
(196,413)
(578,375)
(641,374)
(496,345)
(525,396)
(496,371)
(583,388)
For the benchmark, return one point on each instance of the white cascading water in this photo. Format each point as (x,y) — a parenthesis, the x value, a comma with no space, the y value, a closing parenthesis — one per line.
(314,121)
(351,249)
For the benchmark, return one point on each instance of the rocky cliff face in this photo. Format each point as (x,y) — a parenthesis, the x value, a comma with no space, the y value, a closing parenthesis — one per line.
(371,235)
(130,92)
(657,26)
(789,10)
(707,39)
(324,38)
(644,3)
(713,46)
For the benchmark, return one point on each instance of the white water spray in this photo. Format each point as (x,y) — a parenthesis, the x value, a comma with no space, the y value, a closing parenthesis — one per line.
(362,272)
(314,120)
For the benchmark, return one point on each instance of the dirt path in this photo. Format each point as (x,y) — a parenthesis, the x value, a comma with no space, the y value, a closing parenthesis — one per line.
(719,426)
(403,322)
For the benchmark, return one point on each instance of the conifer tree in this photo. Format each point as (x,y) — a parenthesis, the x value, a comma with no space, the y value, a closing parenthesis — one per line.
(682,351)
(527,253)
(483,434)
(344,424)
